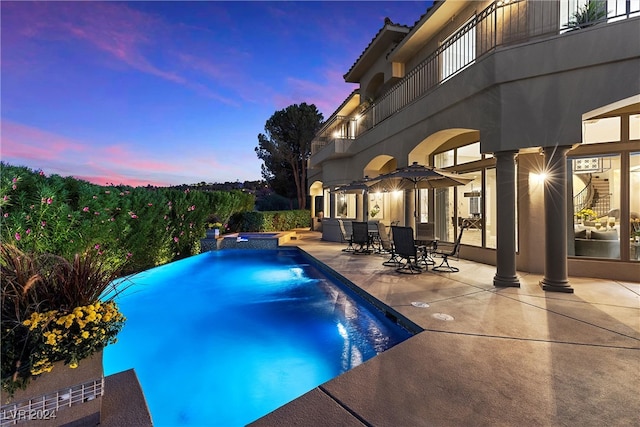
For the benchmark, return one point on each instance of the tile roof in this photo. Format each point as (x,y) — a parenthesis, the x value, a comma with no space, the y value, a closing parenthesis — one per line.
(389,23)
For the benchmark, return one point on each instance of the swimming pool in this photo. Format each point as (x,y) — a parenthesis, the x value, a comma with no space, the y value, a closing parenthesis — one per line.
(225,337)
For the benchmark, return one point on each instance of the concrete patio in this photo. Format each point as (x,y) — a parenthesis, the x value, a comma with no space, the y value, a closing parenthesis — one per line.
(487,356)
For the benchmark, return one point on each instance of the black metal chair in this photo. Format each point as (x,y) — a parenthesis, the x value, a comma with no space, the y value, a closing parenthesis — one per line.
(452,252)
(406,248)
(361,237)
(346,237)
(386,246)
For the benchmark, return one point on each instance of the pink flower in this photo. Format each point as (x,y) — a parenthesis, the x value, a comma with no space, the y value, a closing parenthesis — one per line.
(175,239)
(43,224)
(96,247)
(41,173)
(14,186)
(169,203)
(17,236)
(14,180)
(182,233)
(129,255)
(95,197)
(6,215)
(49,200)
(85,209)
(150,204)
(134,216)
(5,198)
(28,231)
(96,213)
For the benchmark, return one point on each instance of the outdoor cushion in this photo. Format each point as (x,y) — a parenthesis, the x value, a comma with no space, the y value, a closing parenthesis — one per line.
(582,234)
(604,235)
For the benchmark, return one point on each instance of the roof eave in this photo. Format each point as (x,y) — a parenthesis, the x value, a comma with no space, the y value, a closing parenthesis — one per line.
(390,33)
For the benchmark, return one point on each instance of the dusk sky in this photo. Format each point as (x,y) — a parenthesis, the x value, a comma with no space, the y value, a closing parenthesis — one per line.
(167,93)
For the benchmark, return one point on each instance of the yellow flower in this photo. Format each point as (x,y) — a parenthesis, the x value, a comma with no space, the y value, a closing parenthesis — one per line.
(85,335)
(73,365)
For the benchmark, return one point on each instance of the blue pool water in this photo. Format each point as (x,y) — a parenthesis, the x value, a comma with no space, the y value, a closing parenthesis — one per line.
(225,337)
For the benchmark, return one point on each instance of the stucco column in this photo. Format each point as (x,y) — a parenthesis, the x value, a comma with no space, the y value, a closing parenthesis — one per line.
(555,215)
(506,220)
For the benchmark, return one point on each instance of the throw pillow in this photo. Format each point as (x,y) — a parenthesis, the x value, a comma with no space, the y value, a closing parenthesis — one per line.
(604,235)
(582,234)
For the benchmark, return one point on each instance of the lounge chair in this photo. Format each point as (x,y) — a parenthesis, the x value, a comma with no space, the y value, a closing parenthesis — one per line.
(361,237)
(406,249)
(386,246)
(346,237)
(451,252)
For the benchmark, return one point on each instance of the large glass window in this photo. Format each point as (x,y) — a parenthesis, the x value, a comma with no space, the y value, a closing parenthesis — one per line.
(376,205)
(424,205)
(469,209)
(596,206)
(345,205)
(327,202)
(491,219)
(444,214)
(634,206)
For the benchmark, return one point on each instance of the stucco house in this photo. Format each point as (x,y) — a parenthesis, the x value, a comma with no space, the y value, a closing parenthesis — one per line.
(535,101)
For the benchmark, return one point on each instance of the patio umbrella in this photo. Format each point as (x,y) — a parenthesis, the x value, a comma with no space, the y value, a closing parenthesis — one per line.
(416,177)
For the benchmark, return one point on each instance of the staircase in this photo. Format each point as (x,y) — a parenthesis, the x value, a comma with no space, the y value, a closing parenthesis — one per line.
(595,195)
(601,202)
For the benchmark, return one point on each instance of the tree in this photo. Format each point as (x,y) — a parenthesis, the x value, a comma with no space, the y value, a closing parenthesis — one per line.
(286,146)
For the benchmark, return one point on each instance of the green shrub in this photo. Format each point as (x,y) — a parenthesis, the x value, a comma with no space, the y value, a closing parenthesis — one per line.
(270,221)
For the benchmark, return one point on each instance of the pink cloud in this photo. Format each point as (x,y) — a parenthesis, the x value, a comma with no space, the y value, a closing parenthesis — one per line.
(39,149)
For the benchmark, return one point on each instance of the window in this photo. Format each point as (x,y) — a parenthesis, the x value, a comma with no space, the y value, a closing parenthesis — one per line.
(634,126)
(327,201)
(469,209)
(345,205)
(376,206)
(596,184)
(634,206)
(601,130)
(490,200)
(443,160)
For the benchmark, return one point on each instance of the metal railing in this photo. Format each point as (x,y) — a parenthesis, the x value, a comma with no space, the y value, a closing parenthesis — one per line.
(501,23)
(46,407)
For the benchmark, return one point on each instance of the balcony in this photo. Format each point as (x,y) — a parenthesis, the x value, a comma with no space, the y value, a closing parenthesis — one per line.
(502,23)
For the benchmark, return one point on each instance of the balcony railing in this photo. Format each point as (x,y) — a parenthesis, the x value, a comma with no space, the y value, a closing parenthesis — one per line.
(338,127)
(501,23)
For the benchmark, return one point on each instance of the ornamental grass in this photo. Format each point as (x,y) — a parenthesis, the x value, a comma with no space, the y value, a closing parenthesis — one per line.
(54,309)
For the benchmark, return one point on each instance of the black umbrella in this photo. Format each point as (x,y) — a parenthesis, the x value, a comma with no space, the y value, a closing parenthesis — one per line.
(416,177)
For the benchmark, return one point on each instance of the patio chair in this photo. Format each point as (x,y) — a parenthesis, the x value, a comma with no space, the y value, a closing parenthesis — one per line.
(386,246)
(452,252)
(406,249)
(346,237)
(361,237)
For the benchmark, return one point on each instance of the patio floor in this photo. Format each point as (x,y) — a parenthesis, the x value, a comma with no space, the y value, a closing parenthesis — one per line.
(487,356)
